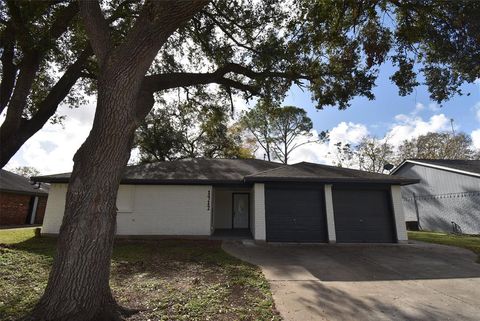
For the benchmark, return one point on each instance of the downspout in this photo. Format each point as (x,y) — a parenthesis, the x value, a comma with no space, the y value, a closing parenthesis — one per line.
(34,210)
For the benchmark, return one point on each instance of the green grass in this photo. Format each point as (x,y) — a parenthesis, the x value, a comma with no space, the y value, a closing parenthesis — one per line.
(166,280)
(470,242)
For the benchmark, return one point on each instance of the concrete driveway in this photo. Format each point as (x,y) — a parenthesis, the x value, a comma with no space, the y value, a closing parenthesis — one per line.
(368,282)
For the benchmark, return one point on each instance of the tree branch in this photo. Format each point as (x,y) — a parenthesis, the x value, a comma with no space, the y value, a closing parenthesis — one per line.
(9,70)
(157,21)
(229,34)
(97,29)
(173,80)
(48,106)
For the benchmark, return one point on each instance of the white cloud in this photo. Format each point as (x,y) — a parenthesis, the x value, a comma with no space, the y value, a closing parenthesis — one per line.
(408,127)
(325,152)
(51,149)
(476,138)
(418,108)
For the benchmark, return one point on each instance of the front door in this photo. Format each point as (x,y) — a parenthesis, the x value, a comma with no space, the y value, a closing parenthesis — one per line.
(240,210)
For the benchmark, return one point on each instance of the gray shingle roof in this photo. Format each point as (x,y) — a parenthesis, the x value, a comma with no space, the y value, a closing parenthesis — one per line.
(11,182)
(238,171)
(187,171)
(310,172)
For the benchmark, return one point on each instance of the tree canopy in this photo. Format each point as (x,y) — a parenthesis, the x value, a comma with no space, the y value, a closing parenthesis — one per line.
(279,130)
(444,145)
(240,47)
(372,153)
(332,48)
(186,130)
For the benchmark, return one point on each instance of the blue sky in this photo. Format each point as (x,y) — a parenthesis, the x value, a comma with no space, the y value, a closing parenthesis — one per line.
(379,114)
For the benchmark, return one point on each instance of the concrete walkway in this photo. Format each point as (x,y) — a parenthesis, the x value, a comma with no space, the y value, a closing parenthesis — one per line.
(368,282)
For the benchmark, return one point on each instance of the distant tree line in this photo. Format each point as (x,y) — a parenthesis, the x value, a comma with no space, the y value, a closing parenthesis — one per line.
(189,130)
(372,153)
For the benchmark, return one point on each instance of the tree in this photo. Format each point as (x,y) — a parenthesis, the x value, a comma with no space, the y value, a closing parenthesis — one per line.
(291,129)
(188,131)
(373,154)
(157,139)
(257,121)
(26,171)
(443,145)
(277,129)
(34,36)
(330,47)
(343,154)
(30,36)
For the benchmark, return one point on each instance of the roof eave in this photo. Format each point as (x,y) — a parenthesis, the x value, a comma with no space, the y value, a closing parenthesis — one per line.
(64,180)
(332,180)
(445,168)
(35,193)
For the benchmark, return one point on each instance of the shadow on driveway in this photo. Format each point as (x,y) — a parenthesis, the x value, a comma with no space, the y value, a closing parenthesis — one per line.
(368,282)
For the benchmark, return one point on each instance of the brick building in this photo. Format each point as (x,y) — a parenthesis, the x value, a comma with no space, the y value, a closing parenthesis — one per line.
(20,201)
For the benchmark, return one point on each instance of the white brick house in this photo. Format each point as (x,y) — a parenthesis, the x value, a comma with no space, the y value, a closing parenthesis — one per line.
(266,201)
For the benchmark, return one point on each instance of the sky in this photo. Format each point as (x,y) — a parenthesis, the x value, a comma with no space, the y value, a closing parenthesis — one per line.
(51,150)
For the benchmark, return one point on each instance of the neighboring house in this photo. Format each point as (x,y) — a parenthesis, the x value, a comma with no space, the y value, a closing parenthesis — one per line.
(448,196)
(21,202)
(268,201)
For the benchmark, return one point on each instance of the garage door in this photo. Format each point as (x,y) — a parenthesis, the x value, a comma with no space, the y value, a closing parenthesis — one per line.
(363,216)
(295,214)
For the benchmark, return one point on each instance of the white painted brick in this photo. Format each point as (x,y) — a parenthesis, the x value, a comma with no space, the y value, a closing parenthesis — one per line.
(330,214)
(399,213)
(259,197)
(147,209)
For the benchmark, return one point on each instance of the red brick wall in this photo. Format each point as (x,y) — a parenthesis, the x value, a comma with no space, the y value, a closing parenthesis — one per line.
(13,208)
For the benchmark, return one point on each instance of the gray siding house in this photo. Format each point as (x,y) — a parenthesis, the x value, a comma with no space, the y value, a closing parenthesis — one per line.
(447,198)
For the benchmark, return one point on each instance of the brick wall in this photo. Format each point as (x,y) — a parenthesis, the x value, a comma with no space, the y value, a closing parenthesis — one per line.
(14,208)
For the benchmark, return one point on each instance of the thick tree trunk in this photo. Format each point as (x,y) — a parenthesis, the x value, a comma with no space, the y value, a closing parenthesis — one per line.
(78,287)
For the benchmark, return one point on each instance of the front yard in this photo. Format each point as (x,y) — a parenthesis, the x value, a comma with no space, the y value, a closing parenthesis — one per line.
(167,280)
(470,242)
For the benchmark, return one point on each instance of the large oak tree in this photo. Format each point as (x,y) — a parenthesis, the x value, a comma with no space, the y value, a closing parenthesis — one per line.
(255,47)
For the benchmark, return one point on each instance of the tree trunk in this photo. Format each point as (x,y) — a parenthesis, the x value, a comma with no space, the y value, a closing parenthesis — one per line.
(78,286)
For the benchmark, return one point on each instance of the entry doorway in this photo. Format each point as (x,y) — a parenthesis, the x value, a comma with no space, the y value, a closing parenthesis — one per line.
(240,211)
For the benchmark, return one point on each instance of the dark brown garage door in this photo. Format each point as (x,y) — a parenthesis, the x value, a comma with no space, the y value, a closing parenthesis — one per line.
(295,214)
(363,216)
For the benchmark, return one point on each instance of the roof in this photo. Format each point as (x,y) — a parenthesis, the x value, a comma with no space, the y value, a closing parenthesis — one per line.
(13,183)
(310,172)
(238,171)
(461,166)
(186,171)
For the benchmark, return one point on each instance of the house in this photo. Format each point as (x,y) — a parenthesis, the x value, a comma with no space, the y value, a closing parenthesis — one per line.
(267,201)
(447,198)
(21,202)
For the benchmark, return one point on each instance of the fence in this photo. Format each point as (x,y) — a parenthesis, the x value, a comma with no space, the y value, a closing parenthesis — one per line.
(453,212)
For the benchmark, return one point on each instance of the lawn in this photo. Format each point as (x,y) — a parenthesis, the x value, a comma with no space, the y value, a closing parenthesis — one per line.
(167,280)
(471,242)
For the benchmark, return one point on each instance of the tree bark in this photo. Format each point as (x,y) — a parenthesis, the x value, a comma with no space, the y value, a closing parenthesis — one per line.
(78,285)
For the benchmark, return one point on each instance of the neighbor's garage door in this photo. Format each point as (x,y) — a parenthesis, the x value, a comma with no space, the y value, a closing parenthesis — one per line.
(295,214)
(363,216)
